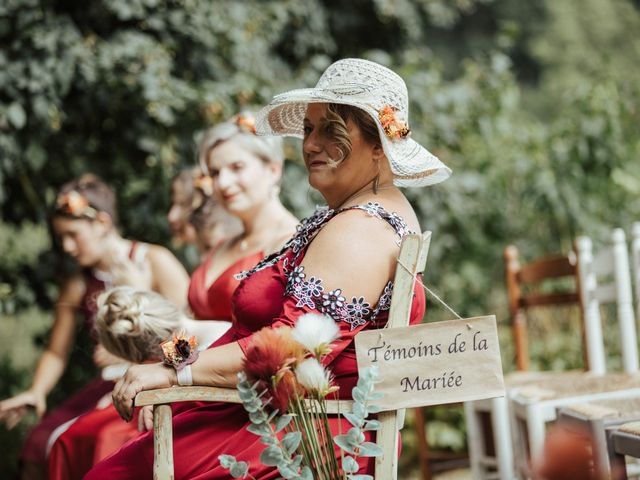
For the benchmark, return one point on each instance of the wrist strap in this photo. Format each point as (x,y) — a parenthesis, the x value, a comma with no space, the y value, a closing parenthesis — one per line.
(184,376)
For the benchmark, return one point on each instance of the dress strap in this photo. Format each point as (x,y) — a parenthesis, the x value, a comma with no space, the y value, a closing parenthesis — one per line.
(374,209)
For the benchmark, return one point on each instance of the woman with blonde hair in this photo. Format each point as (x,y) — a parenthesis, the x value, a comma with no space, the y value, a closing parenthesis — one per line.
(357,149)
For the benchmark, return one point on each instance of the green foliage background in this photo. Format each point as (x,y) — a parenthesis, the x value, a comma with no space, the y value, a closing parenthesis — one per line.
(535,106)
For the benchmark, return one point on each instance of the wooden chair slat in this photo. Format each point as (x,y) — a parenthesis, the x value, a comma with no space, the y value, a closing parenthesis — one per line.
(545,299)
(546,268)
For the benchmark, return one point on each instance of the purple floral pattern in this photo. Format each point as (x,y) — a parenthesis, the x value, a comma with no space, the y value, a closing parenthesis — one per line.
(311,293)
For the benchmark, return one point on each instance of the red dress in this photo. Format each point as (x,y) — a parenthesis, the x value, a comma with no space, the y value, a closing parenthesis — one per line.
(97,434)
(82,401)
(275,293)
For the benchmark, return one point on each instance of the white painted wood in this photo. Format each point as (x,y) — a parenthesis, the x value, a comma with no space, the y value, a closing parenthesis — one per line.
(588,284)
(502,436)
(635,260)
(624,301)
(162,443)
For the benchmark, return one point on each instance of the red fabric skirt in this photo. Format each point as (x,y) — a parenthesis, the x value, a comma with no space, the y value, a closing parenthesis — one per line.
(90,439)
(79,403)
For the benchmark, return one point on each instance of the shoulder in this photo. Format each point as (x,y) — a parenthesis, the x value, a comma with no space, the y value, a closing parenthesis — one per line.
(161,259)
(157,253)
(351,247)
(72,289)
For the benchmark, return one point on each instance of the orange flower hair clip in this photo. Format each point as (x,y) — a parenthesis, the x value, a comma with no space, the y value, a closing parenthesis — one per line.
(180,351)
(393,128)
(75,204)
(246,123)
(205,184)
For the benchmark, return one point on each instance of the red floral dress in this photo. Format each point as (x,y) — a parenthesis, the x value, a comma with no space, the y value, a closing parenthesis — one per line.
(100,432)
(274,293)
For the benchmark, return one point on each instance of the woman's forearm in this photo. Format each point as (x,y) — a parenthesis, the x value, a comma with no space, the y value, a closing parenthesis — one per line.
(219,366)
(49,370)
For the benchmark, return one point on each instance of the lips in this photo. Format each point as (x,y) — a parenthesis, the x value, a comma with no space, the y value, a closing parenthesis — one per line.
(317,163)
(227,197)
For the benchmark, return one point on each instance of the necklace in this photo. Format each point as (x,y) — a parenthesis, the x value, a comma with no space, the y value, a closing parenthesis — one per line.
(360,193)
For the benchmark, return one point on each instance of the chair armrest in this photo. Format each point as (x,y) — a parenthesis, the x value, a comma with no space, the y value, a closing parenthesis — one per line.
(187,394)
(163,396)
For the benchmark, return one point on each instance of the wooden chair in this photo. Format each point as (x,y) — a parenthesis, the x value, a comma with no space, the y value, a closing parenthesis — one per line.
(533,406)
(488,420)
(411,261)
(623,441)
(598,419)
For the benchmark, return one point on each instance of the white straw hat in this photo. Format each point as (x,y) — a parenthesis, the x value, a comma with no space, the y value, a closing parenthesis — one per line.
(378,91)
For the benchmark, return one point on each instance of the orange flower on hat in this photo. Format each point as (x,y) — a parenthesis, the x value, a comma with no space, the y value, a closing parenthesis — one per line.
(246,123)
(205,184)
(393,128)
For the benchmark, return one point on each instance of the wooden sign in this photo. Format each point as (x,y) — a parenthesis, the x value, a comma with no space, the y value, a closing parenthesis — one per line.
(434,363)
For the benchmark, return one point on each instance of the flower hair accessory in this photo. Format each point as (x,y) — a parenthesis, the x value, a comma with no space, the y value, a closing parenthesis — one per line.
(204,183)
(75,204)
(245,123)
(393,128)
(180,351)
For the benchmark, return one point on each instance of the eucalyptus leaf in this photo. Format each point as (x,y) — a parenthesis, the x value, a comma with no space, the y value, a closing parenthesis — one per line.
(239,470)
(291,441)
(271,456)
(370,449)
(349,464)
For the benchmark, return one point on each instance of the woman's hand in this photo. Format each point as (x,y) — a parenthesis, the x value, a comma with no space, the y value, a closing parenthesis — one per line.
(137,379)
(145,418)
(13,409)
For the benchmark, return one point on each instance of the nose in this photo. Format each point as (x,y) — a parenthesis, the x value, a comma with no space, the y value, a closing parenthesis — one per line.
(225,179)
(173,215)
(68,245)
(310,143)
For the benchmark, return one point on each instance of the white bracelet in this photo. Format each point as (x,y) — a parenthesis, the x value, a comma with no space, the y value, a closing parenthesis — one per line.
(184,376)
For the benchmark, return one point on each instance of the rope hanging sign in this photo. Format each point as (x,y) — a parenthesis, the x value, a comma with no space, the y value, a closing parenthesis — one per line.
(434,363)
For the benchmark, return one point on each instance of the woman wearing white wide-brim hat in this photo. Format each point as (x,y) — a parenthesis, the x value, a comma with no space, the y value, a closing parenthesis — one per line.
(357,148)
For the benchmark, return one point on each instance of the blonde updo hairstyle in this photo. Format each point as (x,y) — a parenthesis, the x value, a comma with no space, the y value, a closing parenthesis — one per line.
(133,323)
(240,130)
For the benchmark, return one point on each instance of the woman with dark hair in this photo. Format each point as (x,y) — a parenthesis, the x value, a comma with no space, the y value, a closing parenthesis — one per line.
(84,221)
(340,262)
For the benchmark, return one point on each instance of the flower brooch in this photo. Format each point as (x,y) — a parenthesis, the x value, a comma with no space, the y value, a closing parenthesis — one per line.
(393,128)
(180,351)
(75,204)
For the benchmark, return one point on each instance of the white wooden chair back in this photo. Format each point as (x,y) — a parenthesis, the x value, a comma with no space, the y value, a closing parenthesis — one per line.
(635,263)
(411,261)
(612,261)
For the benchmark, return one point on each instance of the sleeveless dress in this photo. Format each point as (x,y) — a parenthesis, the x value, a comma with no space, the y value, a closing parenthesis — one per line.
(40,438)
(274,293)
(100,432)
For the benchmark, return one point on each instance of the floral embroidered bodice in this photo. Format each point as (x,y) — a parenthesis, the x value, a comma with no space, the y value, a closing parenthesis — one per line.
(309,291)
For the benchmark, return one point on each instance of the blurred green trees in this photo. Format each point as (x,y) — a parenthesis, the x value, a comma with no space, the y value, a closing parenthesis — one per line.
(535,106)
